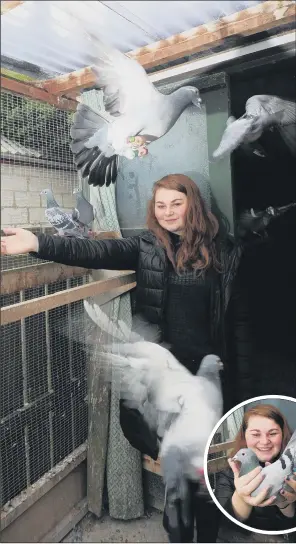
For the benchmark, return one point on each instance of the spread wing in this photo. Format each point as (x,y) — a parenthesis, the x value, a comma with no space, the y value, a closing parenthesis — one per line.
(262,104)
(123,80)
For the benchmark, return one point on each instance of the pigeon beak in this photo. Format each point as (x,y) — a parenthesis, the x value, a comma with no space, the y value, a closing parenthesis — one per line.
(43,192)
(197,101)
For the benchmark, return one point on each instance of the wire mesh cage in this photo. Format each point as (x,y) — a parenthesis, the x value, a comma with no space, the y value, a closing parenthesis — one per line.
(43,374)
(43,382)
(35,155)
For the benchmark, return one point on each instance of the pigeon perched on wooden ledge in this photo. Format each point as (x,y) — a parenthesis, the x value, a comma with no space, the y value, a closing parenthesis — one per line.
(63,222)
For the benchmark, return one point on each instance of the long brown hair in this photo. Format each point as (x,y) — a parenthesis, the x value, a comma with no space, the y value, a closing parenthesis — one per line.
(263,410)
(201,227)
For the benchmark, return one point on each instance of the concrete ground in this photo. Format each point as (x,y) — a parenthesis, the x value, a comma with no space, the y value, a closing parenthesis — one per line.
(146,529)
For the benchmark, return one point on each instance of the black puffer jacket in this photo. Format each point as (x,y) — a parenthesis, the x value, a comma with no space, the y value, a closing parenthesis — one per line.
(142,253)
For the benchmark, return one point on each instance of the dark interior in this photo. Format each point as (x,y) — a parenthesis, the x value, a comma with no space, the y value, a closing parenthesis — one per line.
(268,269)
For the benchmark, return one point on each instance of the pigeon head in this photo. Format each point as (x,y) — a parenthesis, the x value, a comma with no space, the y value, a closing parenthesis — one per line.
(50,200)
(246,459)
(193,92)
(210,367)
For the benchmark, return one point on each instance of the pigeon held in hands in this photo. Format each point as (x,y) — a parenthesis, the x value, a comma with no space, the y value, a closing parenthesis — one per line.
(263,112)
(274,474)
(64,223)
(138,115)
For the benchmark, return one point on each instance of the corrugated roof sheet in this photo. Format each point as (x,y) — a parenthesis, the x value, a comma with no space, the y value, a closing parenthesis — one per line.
(49,34)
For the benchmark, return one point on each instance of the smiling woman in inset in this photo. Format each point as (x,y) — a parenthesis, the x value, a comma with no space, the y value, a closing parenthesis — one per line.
(265,431)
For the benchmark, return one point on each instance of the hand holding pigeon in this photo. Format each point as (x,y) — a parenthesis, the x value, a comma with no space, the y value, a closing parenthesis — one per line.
(274,475)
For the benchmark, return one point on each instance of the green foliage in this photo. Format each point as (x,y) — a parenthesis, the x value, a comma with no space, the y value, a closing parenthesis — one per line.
(38,126)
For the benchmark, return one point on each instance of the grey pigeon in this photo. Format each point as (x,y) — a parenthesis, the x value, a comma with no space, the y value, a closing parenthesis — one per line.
(84,211)
(262,112)
(275,473)
(256,221)
(62,221)
(138,115)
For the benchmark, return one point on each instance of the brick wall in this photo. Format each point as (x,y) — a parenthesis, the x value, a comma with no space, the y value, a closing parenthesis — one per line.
(21,202)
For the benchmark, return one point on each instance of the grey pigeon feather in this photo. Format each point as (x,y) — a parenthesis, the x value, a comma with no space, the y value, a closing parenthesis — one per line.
(275,473)
(135,108)
(84,211)
(262,112)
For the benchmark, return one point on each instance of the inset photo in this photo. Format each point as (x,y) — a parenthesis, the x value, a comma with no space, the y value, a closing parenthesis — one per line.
(250,469)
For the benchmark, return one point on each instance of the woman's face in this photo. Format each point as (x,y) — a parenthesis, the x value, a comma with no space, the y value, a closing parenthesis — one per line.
(264,436)
(170,209)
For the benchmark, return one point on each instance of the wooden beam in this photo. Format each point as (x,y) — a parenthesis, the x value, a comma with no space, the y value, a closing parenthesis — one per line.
(151,465)
(15,312)
(15,508)
(30,91)
(13,281)
(8,6)
(215,465)
(223,446)
(246,22)
(250,21)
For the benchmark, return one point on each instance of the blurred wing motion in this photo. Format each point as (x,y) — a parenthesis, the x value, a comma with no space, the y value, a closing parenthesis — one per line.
(262,112)
(256,221)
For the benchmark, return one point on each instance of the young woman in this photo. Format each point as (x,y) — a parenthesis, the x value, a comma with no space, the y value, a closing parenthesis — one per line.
(185,285)
(265,430)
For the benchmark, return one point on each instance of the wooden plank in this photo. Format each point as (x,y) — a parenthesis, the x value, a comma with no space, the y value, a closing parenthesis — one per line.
(13,281)
(17,506)
(250,21)
(215,465)
(31,91)
(7,6)
(151,465)
(15,312)
(246,22)
(68,523)
(223,446)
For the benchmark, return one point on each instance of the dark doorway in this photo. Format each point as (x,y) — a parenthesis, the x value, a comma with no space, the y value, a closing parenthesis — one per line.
(268,269)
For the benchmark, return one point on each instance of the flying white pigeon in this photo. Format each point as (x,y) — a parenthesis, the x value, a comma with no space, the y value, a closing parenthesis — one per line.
(138,115)
(182,408)
(63,222)
(262,112)
(274,474)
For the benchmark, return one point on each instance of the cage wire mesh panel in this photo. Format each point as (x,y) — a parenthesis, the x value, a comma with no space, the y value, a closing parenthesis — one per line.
(43,389)
(35,155)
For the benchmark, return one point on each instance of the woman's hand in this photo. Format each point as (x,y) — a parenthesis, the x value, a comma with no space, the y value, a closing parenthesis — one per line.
(18,241)
(288,507)
(245,485)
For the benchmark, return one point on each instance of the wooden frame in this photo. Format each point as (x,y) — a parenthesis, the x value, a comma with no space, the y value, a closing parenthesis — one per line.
(246,22)
(31,90)
(123,282)
(27,498)
(214,465)
(8,6)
